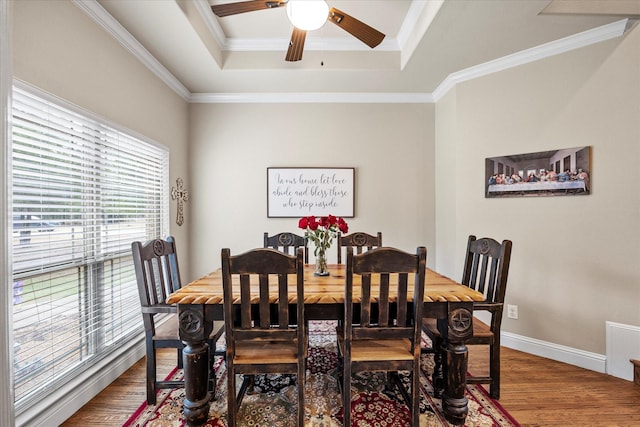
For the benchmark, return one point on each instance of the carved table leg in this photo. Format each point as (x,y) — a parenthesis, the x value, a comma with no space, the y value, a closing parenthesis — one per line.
(195,356)
(455,330)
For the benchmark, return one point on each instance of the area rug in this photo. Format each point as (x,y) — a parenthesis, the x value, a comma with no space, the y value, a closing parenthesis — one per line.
(273,401)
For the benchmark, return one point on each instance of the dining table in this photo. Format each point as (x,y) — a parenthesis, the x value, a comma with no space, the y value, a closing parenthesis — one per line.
(200,304)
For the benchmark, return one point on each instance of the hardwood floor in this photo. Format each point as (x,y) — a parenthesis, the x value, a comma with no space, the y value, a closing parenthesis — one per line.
(535,391)
(542,392)
(116,403)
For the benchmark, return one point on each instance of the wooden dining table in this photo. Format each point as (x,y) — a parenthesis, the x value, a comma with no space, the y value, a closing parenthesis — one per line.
(200,303)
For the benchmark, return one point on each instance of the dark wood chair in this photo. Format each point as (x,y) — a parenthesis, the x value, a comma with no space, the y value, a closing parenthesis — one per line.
(287,243)
(261,338)
(386,335)
(359,241)
(158,275)
(486,268)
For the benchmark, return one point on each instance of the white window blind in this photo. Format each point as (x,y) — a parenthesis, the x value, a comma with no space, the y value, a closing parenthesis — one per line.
(82,192)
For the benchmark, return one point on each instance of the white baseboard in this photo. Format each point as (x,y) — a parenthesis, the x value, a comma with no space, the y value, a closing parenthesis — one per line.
(583,359)
(63,403)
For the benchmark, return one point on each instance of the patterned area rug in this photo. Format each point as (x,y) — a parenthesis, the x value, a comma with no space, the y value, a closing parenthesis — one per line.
(273,401)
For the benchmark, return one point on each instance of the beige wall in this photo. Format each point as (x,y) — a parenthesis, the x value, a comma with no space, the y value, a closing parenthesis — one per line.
(390,145)
(575,259)
(59,49)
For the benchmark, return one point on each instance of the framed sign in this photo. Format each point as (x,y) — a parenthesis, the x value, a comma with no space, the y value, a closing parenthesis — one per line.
(297,192)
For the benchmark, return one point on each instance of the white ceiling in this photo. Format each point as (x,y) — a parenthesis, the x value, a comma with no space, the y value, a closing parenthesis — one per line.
(426,42)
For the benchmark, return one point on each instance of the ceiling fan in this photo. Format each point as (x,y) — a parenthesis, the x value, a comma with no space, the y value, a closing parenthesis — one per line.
(363,32)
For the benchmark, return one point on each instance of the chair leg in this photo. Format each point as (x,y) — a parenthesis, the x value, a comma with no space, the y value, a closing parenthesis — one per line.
(494,370)
(213,379)
(231,395)
(248,382)
(151,372)
(301,383)
(415,394)
(394,379)
(438,370)
(180,360)
(346,395)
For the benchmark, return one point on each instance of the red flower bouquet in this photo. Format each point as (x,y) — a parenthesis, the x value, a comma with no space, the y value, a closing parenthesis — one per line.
(321,231)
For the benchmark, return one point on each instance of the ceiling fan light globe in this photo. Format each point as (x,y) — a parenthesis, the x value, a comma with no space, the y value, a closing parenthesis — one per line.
(307,15)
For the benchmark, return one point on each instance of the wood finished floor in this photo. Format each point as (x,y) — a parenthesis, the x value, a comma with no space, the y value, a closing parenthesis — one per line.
(535,391)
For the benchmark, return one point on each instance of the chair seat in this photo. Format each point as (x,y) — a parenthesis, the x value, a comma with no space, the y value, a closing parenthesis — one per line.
(266,352)
(481,331)
(379,350)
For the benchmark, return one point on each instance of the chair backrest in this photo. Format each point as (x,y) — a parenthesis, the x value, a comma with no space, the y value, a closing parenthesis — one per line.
(287,243)
(157,275)
(359,241)
(385,314)
(261,277)
(486,267)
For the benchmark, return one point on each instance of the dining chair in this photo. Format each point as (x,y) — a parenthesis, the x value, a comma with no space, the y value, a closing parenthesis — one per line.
(263,335)
(358,240)
(486,268)
(288,243)
(379,332)
(158,275)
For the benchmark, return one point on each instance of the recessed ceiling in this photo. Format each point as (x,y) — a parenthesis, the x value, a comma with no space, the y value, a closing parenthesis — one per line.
(426,41)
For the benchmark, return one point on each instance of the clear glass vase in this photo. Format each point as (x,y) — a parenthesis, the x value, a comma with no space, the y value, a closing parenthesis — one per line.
(321,264)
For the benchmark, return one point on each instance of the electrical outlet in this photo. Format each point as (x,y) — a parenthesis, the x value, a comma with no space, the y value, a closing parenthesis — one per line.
(512,311)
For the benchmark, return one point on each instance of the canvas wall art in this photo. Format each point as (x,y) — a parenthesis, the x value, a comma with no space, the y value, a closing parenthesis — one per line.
(561,172)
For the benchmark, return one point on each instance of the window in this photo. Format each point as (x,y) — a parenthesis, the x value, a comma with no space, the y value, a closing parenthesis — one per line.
(82,192)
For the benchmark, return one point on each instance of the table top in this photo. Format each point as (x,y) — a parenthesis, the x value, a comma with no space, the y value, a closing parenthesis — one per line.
(323,289)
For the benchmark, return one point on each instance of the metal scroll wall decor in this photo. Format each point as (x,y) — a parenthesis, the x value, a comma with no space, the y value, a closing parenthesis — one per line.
(182,196)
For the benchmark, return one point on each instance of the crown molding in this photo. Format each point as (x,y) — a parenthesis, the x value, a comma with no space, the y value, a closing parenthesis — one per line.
(96,12)
(419,18)
(204,9)
(311,97)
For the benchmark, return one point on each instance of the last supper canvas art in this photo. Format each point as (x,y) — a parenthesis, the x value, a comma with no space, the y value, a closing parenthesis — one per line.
(560,172)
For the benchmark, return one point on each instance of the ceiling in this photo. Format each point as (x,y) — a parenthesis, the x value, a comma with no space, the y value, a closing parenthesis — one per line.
(427,41)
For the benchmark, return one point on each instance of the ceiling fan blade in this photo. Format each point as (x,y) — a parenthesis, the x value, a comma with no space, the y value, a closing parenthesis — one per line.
(363,32)
(296,45)
(245,6)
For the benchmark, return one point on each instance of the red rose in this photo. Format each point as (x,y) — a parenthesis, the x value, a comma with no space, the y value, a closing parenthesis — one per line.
(331,220)
(342,225)
(303,222)
(313,224)
(324,221)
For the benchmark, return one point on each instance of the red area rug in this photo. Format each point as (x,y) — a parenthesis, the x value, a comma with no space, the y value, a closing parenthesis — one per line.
(273,402)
